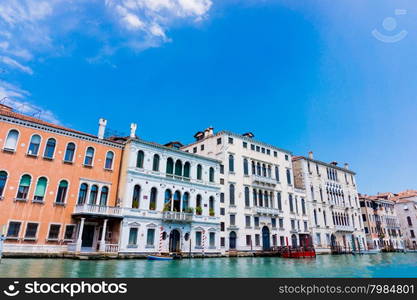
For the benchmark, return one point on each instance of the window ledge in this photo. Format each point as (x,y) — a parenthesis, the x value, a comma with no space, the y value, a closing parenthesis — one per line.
(48,158)
(38,201)
(52,240)
(20,200)
(32,155)
(60,204)
(198,247)
(68,162)
(11,151)
(108,170)
(87,166)
(14,238)
(30,239)
(132,246)
(149,246)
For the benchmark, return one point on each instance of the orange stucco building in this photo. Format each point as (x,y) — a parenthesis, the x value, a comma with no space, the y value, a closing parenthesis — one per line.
(58,187)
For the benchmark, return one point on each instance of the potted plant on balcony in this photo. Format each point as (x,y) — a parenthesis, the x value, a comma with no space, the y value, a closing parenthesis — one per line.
(167,206)
(198,210)
(152,206)
(189,210)
(211,212)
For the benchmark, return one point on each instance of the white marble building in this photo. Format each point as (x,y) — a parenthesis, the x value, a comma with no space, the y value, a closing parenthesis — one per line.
(332,201)
(259,207)
(170,200)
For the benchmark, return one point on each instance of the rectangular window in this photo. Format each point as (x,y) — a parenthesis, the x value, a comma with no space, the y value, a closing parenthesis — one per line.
(318,239)
(247,221)
(274,222)
(195,150)
(268,152)
(258,149)
(221,169)
(13,230)
(54,231)
(263,150)
(281,223)
(212,239)
(221,197)
(257,240)
(293,224)
(222,242)
(69,232)
(291,203)
(245,145)
(256,221)
(202,147)
(150,237)
(221,226)
(279,201)
(232,220)
(274,240)
(282,241)
(286,157)
(275,153)
(305,226)
(230,140)
(31,230)
(219,141)
(252,147)
(412,234)
(198,238)
(222,211)
(133,236)
(248,240)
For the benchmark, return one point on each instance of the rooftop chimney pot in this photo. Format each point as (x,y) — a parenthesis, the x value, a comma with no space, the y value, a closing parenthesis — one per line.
(310,155)
(101,127)
(133,127)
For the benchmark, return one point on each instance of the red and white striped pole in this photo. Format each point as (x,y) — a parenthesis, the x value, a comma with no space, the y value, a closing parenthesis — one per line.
(204,240)
(160,238)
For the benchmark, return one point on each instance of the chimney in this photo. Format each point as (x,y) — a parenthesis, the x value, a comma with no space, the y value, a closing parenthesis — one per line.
(334,163)
(133,127)
(101,127)
(210,131)
(310,155)
(346,166)
(206,133)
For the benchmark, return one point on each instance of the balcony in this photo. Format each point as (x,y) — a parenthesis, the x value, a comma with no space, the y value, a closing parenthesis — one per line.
(98,210)
(256,179)
(266,211)
(172,216)
(344,228)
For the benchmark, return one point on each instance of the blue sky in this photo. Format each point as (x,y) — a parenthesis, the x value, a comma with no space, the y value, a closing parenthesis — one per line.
(303,75)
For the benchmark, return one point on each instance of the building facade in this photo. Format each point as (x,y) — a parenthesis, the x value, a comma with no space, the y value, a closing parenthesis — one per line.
(259,207)
(55,186)
(381,224)
(333,205)
(169,199)
(406,210)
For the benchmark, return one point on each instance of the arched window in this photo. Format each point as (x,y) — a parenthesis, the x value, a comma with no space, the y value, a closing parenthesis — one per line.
(62,192)
(253,168)
(109,160)
(255,197)
(155,164)
(263,170)
(93,195)
(247,200)
(245,167)
(136,196)
(152,200)
(258,169)
(104,195)
(266,199)
(167,200)
(276,173)
(187,170)
(69,152)
(140,159)
(3,180)
(178,168)
(303,206)
(170,166)
(279,201)
(89,156)
(288,176)
(211,175)
(269,172)
(50,148)
(199,172)
(261,198)
(232,194)
(198,206)
(185,201)
(211,206)
(40,189)
(177,201)
(24,185)
(315,217)
(34,144)
(82,194)
(11,140)
(231,163)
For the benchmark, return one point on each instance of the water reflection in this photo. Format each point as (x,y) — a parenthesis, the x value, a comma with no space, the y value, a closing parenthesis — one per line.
(380,265)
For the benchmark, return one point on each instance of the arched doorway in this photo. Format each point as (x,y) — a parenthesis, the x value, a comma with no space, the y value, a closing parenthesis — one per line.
(333,240)
(232,240)
(265,239)
(294,240)
(174,241)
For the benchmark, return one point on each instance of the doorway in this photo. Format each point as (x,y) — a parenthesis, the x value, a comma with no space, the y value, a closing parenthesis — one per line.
(174,241)
(88,236)
(266,245)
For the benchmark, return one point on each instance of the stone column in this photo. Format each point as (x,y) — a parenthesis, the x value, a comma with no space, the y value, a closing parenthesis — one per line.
(103,237)
(80,235)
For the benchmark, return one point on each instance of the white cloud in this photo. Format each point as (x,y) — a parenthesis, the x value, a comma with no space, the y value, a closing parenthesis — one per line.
(15,65)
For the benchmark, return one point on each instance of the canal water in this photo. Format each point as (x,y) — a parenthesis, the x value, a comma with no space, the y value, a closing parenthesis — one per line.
(377,265)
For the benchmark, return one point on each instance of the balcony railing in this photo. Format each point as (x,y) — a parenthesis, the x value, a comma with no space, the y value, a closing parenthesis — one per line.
(345,228)
(91,209)
(173,216)
(266,210)
(262,179)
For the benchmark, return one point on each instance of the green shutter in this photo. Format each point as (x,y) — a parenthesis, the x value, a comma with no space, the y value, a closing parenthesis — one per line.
(25,181)
(40,187)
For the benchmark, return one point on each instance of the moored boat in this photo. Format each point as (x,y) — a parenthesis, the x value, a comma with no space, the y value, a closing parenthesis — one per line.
(159,257)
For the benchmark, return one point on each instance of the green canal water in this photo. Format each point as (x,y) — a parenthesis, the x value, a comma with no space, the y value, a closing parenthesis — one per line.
(378,265)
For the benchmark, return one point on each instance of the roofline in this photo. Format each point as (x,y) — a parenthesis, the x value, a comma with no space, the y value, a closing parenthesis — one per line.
(295,158)
(172,149)
(222,132)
